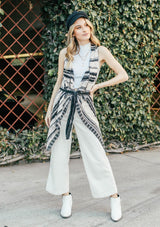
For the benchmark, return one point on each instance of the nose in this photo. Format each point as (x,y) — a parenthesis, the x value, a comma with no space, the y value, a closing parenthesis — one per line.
(84,28)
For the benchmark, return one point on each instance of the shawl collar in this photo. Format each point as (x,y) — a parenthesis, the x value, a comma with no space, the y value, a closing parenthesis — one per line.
(84,104)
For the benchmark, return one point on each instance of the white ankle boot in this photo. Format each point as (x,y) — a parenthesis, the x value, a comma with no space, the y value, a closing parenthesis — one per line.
(116,212)
(66,210)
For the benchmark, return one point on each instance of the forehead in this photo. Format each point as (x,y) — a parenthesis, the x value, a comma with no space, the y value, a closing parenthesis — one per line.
(80,21)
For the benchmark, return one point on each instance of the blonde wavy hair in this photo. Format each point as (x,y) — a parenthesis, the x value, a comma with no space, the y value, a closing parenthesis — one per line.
(72,43)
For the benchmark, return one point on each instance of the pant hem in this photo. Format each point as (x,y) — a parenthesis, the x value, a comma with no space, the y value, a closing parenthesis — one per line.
(103,195)
(56,193)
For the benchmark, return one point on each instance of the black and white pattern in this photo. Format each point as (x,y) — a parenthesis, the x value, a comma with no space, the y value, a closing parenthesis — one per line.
(84,105)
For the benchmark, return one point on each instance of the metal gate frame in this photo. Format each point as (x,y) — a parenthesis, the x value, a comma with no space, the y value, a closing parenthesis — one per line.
(13,56)
(155,107)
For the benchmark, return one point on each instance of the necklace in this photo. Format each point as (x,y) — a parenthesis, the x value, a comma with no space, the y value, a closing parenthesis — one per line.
(84,56)
(83,59)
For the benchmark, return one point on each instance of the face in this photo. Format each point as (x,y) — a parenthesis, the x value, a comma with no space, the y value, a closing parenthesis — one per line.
(81,30)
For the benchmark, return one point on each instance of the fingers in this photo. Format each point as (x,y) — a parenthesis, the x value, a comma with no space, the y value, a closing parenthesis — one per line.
(47,121)
(91,94)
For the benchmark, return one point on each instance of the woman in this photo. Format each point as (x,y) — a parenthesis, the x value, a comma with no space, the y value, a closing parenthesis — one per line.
(72,104)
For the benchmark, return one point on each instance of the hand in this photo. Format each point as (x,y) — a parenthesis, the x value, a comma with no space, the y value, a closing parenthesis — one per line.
(94,88)
(48,119)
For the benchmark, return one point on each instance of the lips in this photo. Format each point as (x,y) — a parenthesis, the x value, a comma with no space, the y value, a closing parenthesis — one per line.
(85,34)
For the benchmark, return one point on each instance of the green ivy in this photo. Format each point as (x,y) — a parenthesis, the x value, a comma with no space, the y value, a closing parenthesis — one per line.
(129,29)
(28,142)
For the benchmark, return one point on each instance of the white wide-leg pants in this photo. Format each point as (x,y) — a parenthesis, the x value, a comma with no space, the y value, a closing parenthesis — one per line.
(96,163)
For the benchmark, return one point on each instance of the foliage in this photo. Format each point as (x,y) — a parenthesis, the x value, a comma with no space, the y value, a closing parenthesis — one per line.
(28,142)
(129,29)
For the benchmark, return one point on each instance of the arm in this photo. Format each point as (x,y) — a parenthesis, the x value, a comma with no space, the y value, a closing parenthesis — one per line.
(106,56)
(57,85)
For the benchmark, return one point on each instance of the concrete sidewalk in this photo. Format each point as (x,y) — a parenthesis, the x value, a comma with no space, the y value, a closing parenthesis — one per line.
(25,203)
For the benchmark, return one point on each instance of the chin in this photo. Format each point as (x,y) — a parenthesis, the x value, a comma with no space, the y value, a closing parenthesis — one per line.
(85,38)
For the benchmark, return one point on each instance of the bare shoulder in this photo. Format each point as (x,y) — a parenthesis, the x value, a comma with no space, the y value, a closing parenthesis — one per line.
(104,54)
(63,52)
(103,51)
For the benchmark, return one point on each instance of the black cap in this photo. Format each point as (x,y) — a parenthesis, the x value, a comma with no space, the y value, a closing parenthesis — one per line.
(74,16)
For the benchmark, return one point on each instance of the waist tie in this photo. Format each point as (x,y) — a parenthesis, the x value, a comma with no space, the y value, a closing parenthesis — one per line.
(74,94)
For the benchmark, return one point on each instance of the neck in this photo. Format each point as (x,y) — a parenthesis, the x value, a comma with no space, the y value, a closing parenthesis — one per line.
(82,43)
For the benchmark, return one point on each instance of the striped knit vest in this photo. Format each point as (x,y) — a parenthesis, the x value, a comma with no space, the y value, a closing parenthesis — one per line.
(84,103)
